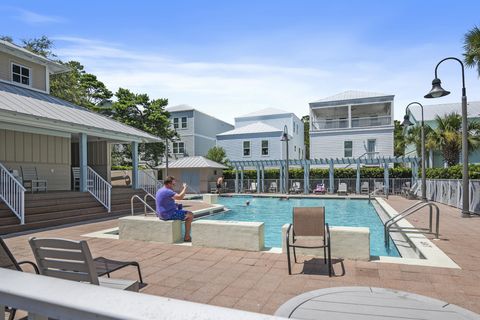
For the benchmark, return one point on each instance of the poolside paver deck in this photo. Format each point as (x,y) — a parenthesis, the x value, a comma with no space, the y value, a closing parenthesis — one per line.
(259,281)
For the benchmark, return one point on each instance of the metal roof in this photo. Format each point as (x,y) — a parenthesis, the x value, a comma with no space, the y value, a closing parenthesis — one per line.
(256,127)
(41,106)
(432,110)
(352,95)
(265,112)
(194,162)
(180,107)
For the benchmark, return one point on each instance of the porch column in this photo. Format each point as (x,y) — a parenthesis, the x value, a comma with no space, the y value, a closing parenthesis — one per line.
(83,147)
(258,178)
(357,185)
(386,179)
(331,177)
(134,165)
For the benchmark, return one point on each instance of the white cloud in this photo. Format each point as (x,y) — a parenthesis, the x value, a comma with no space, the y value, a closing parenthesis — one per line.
(36,18)
(228,89)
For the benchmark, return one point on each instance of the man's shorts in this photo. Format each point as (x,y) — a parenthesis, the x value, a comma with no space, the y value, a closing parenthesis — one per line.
(177,215)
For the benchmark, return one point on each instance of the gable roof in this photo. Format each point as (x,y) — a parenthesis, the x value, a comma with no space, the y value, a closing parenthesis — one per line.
(194,162)
(48,111)
(353,95)
(180,107)
(257,127)
(13,49)
(264,112)
(432,110)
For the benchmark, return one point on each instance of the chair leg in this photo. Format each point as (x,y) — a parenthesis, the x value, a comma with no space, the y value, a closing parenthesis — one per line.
(139,272)
(330,268)
(294,255)
(288,260)
(325,255)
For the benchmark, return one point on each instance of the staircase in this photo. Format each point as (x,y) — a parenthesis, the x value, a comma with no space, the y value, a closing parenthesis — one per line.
(50,209)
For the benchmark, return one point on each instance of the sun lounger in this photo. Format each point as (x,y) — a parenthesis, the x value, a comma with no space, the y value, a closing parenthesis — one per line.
(320,189)
(296,187)
(253,187)
(273,187)
(342,188)
(365,188)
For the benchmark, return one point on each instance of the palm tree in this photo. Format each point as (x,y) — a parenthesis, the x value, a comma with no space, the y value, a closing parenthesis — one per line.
(447,137)
(471,44)
(414,137)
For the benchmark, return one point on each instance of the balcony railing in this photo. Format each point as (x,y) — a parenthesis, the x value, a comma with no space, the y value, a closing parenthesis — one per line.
(371,121)
(329,124)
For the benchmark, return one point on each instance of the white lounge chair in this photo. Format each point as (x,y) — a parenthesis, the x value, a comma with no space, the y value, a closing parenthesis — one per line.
(342,188)
(273,187)
(365,187)
(76,179)
(253,187)
(31,181)
(72,260)
(296,187)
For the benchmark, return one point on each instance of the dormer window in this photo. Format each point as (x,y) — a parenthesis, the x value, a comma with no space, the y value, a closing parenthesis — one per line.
(21,74)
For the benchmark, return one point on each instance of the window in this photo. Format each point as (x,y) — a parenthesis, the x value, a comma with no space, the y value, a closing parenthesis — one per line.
(246,148)
(184,122)
(348,149)
(20,74)
(178,147)
(295,148)
(175,123)
(264,147)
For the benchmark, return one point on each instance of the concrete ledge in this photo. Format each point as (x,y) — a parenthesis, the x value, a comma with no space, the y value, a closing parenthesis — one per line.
(238,235)
(149,228)
(347,242)
(210,198)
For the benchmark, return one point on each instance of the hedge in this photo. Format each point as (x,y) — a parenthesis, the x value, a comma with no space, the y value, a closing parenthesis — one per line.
(454,172)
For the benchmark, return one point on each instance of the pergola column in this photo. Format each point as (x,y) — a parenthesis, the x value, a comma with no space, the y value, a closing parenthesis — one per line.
(386,178)
(282,178)
(331,177)
(258,178)
(357,184)
(236,179)
(241,180)
(134,165)
(262,177)
(83,150)
(306,178)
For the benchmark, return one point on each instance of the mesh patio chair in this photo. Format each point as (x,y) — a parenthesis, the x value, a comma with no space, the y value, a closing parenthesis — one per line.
(8,261)
(72,260)
(309,231)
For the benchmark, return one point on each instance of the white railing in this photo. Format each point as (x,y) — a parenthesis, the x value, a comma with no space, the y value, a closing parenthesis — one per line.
(147,182)
(12,193)
(371,121)
(45,297)
(329,124)
(449,192)
(99,188)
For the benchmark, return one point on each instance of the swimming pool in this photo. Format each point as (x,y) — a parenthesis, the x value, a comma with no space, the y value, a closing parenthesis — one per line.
(275,213)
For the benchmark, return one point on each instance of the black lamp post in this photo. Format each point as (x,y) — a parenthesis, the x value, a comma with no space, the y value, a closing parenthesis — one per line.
(406,122)
(285,138)
(437,92)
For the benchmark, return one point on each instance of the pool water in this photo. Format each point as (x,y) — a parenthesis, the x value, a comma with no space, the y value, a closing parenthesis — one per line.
(275,213)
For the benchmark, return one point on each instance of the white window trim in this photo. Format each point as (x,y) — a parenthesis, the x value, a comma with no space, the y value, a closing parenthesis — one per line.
(261,148)
(178,147)
(180,123)
(173,123)
(249,147)
(30,78)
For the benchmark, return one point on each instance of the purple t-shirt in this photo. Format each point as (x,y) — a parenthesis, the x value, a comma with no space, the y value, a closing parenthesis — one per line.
(165,204)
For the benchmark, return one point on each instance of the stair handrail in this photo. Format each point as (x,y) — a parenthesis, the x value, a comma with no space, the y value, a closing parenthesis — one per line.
(405,213)
(99,188)
(374,193)
(147,182)
(145,202)
(146,205)
(12,192)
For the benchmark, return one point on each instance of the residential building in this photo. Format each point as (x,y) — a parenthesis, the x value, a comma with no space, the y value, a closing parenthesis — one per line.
(196,130)
(435,158)
(352,124)
(48,137)
(257,136)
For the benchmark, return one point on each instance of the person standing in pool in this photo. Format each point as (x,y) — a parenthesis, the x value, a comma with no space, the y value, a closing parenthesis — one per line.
(167,208)
(219,184)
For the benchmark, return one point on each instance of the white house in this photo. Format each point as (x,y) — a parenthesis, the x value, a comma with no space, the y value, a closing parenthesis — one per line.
(352,124)
(197,131)
(257,136)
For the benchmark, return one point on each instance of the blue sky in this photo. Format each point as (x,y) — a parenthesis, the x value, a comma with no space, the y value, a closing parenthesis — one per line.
(228,58)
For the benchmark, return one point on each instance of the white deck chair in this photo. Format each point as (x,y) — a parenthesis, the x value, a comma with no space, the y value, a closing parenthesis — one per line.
(296,187)
(76,179)
(31,181)
(72,260)
(342,188)
(253,187)
(273,187)
(365,187)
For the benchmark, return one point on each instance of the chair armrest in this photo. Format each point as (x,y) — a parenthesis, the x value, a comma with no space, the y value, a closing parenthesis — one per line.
(34,266)
(288,233)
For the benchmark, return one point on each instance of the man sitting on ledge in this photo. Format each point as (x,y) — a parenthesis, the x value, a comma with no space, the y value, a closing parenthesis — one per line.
(167,208)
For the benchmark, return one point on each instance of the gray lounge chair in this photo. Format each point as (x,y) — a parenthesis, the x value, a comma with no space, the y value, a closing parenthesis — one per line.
(365,187)
(273,187)
(31,181)
(342,188)
(309,222)
(72,260)
(296,187)
(8,261)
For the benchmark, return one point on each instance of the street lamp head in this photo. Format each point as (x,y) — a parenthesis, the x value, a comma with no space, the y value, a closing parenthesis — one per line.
(437,90)
(406,121)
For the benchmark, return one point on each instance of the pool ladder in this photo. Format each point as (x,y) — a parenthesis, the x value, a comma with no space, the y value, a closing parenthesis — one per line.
(389,224)
(145,204)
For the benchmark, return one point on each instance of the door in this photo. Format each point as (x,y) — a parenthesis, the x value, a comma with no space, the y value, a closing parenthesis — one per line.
(192,178)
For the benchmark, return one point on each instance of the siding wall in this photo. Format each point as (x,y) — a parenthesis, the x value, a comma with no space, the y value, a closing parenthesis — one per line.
(186,135)
(234,148)
(38,71)
(49,154)
(208,126)
(331,144)
(202,145)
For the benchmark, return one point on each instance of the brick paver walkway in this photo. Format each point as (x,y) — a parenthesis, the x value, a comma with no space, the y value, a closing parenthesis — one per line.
(258,281)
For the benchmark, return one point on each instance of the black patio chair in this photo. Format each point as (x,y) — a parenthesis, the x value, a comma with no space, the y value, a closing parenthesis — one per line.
(309,222)
(8,261)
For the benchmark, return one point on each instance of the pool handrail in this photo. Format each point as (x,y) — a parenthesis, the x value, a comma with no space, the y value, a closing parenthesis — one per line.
(141,200)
